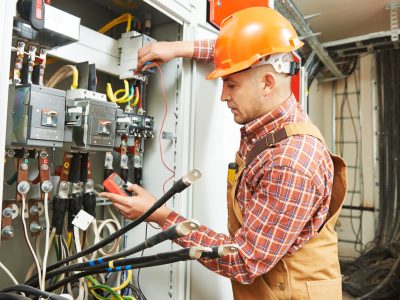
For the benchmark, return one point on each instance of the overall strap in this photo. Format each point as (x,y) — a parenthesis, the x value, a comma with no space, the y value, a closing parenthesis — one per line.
(275,137)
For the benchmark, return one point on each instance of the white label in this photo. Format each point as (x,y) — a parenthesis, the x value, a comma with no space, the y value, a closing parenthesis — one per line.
(82,220)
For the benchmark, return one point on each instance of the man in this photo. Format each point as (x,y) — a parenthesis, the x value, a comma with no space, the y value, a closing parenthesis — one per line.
(288,189)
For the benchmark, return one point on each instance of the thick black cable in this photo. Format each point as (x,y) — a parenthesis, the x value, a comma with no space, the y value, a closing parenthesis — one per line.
(384,282)
(176,188)
(105,270)
(21,288)
(170,233)
(9,296)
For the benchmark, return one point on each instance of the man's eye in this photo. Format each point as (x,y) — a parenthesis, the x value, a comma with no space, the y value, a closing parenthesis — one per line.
(231,86)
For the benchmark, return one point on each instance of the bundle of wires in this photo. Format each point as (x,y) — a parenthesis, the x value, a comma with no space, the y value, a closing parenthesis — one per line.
(375,274)
(61,74)
(125,18)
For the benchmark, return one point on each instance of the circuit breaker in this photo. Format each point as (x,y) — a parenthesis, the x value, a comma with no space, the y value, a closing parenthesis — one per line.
(35,116)
(94,123)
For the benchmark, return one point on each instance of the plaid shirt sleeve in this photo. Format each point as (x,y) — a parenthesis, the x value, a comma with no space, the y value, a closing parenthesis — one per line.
(204,50)
(283,202)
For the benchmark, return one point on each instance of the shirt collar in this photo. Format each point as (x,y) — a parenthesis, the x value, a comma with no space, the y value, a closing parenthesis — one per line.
(271,120)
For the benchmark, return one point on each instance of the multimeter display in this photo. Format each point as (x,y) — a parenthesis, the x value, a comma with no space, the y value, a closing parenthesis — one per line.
(114,184)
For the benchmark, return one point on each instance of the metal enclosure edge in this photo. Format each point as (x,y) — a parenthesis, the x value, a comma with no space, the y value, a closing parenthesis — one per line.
(7,11)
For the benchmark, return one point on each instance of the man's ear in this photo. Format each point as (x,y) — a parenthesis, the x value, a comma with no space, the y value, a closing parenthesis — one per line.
(269,82)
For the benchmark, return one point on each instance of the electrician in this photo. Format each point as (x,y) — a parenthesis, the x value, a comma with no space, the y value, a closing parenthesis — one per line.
(285,197)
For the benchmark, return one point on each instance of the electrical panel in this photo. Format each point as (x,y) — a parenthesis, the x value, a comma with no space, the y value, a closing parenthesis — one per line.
(69,126)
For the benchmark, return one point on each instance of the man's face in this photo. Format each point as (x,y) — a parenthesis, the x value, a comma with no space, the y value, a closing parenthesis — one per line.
(243,94)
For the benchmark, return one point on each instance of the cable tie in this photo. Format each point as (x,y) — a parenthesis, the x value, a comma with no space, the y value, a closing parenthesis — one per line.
(91,263)
(100,260)
(109,270)
(118,268)
(129,267)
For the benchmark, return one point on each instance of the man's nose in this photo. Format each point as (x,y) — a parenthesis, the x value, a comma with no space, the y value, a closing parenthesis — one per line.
(225,96)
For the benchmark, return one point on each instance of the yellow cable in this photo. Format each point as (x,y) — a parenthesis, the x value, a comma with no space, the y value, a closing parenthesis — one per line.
(98,297)
(92,281)
(127,17)
(75,76)
(119,92)
(111,264)
(110,93)
(111,24)
(69,239)
(120,101)
(128,25)
(136,97)
(125,283)
(112,96)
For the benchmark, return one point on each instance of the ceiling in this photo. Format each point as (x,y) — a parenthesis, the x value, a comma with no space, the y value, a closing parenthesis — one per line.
(341,19)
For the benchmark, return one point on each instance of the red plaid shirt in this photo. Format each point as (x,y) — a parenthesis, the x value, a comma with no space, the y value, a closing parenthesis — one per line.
(204,50)
(284,197)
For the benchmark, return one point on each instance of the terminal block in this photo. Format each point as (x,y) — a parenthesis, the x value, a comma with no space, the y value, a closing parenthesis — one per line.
(135,125)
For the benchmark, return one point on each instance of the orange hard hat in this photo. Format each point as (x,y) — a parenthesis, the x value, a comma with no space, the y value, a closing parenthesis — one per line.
(250,35)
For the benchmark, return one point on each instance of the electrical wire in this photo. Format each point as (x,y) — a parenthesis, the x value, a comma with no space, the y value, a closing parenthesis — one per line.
(82,283)
(346,103)
(48,238)
(32,291)
(29,243)
(7,271)
(62,73)
(375,274)
(177,187)
(163,121)
(129,264)
(127,17)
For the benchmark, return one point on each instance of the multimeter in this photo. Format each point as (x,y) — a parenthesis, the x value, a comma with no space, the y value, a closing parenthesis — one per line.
(116,185)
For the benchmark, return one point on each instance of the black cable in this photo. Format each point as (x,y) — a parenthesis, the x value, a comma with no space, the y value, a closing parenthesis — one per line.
(105,270)
(375,274)
(171,234)
(21,288)
(8,296)
(178,187)
(138,294)
(141,255)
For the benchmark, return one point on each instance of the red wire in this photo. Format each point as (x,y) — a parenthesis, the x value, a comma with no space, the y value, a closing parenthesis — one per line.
(162,127)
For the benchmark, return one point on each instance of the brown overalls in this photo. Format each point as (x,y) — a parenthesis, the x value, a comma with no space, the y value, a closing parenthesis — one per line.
(313,271)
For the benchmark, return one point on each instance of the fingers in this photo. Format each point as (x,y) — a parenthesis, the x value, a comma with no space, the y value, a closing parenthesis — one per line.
(145,54)
(121,209)
(144,59)
(136,189)
(115,198)
(146,49)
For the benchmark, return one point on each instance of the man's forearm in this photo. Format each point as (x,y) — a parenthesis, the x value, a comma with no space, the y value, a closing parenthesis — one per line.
(184,48)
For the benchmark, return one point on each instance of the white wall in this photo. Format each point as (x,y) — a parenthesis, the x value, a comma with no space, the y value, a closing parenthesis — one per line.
(216,139)
(324,104)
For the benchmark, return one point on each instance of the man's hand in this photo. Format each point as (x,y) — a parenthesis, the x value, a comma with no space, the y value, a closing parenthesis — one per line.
(162,52)
(133,207)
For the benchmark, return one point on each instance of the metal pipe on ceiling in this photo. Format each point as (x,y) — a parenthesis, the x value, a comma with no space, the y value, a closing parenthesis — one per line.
(291,12)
